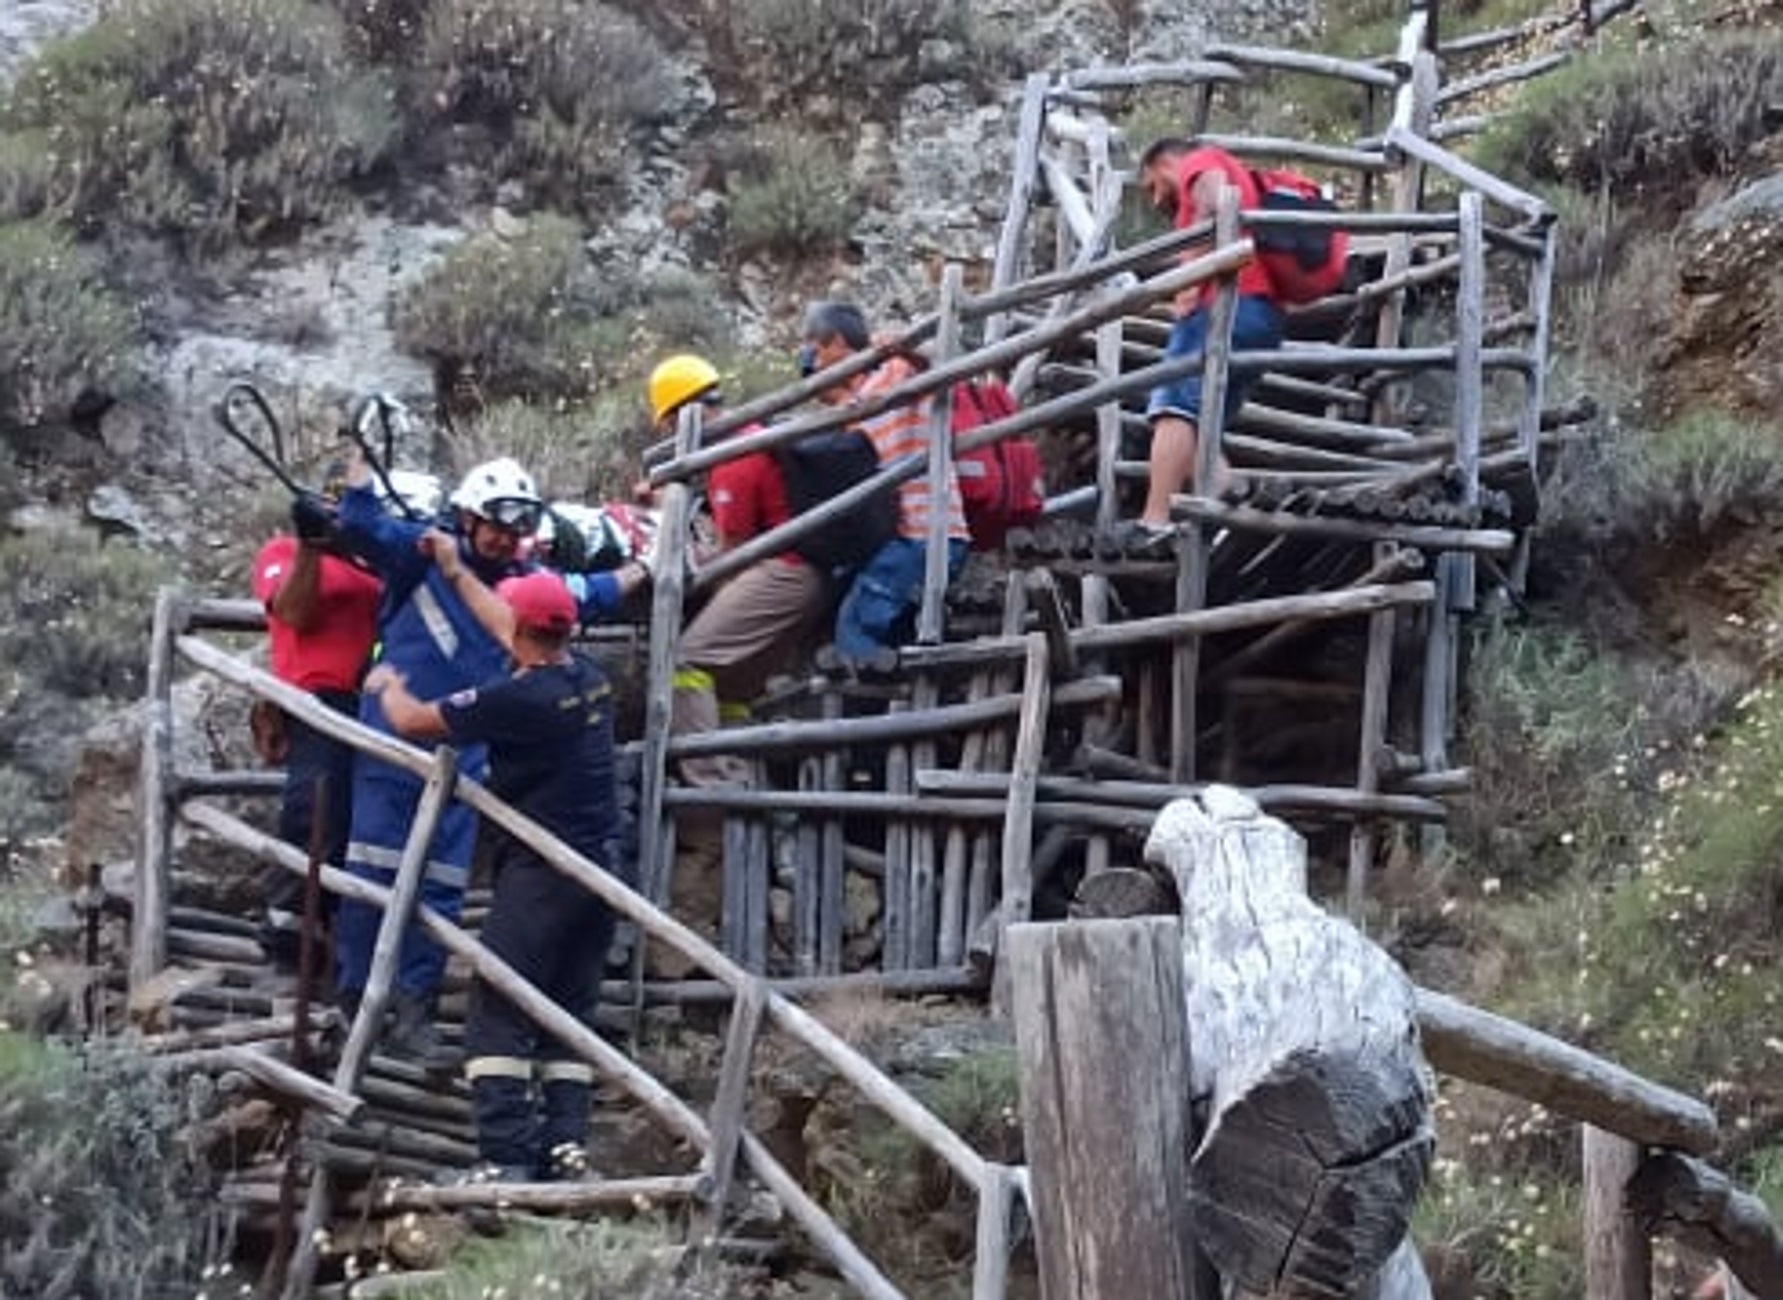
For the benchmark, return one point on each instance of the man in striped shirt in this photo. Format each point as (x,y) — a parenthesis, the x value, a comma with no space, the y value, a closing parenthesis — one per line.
(876,614)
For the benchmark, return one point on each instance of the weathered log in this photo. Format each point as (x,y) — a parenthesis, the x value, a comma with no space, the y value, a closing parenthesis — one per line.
(1492,541)
(1119,893)
(1305,1049)
(1488,1049)
(561,1197)
(1499,191)
(272,1073)
(1618,1258)
(1323,65)
(154,810)
(1702,1207)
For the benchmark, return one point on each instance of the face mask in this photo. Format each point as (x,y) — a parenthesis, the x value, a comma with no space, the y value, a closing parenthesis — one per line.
(807,361)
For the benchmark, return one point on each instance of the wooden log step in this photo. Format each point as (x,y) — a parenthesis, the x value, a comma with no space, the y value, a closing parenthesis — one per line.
(665,1189)
(210,945)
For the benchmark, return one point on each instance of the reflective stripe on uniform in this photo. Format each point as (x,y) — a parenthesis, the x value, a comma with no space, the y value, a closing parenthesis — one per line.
(734,712)
(497,1067)
(566,1072)
(439,627)
(381,857)
(693,679)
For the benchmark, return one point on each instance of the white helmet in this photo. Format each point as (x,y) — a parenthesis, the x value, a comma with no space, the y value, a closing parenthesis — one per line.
(503,493)
(420,493)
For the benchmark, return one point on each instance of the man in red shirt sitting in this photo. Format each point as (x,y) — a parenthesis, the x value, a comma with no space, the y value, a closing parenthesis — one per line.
(752,626)
(1183,181)
(321,620)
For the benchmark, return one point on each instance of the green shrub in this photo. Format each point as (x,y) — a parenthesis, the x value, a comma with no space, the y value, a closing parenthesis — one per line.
(518,312)
(1652,967)
(861,48)
(100,1195)
(1509,1235)
(795,199)
(558,85)
(587,452)
(903,1203)
(78,612)
(1678,484)
(1557,752)
(384,30)
(1651,120)
(203,119)
(62,330)
(639,1260)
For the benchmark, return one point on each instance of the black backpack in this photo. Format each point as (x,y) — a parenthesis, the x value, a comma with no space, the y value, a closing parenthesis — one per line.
(818,468)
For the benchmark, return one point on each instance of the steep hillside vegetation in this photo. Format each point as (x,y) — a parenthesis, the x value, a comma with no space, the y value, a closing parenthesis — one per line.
(189,185)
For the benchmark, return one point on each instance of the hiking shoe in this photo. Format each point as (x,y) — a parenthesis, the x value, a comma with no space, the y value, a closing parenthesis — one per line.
(567,1162)
(486,1220)
(412,1036)
(877,664)
(1135,539)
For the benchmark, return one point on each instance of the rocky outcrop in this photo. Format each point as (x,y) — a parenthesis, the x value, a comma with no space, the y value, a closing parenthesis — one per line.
(26,24)
(1722,351)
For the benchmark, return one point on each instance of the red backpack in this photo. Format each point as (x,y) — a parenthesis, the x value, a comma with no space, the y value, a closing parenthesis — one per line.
(1304,263)
(1001,486)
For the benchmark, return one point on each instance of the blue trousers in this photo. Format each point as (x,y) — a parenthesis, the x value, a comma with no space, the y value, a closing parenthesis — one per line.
(885,595)
(313,759)
(1256,326)
(384,804)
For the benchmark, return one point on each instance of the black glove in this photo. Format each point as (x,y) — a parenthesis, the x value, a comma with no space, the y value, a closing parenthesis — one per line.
(312,518)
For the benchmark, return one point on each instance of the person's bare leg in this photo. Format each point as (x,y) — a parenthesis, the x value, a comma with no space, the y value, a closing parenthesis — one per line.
(1172,464)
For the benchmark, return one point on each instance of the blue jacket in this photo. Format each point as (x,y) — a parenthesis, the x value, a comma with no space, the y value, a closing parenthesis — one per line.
(425,630)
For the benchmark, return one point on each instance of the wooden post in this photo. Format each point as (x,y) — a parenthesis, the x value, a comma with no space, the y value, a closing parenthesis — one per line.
(921,934)
(729,1105)
(1107,1148)
(831,909)
(1618,1260)
(758,885)
(1377,688)
(996,1204)
(895,913)
(1470,379)
(154,801)
(940,472)
(1702,1208)
(1318,1137)
(1024,177)
(1416,108)
(807,890)
(733,927)
(1024,776)
(1192,551)
(667,588)
(979,887)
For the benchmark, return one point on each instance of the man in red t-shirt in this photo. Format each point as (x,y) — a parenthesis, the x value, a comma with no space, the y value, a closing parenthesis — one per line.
(1183,181)
(321,621)
(753,625)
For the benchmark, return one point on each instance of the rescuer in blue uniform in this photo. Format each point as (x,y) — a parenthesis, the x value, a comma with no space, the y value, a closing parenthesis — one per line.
(549,730)
(427,633)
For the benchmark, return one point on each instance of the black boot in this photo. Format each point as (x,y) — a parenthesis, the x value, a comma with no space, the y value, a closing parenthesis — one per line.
(412,1035)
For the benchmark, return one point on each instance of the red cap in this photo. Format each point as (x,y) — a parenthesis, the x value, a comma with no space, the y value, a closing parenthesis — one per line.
(539,600)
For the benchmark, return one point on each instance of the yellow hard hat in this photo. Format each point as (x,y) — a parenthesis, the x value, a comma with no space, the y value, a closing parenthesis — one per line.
(678,380)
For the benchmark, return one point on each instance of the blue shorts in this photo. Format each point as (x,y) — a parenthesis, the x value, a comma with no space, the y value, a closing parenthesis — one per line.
(1257,326)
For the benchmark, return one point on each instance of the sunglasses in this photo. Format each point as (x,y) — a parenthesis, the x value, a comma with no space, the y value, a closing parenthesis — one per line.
(515,514)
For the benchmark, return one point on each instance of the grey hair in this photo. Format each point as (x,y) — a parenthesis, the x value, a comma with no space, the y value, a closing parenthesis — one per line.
(832,319)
